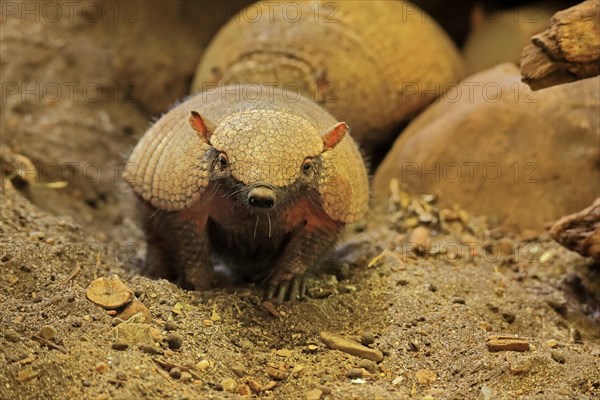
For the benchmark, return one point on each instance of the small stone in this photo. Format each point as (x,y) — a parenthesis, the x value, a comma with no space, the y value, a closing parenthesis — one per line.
(507,343)
(171,326)
(12,336)
(229,385)
(367,338)
(276,374)
(175,373)
(242,390)
(419,240)
(425,376)
(151,349)
(174,340)
(314,394)
(120,375)
(48,332)
(238,369)
(458,300)
(269,386)
(27,374)
(551,343)
(558,356)
(101,367)
(520,365)
(109,293)
(134,308)
(203,365)
(337,342)
(207,323)
(354,373)
(283,353)
(311,348)
(36,235)
(120,346)
(368,365)
(254,386)
(185,376)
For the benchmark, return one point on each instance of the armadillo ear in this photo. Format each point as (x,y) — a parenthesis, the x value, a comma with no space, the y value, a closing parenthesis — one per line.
(201,127)
(332,136)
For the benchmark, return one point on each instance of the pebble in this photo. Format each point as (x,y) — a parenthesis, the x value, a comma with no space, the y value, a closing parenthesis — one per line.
(186,376)
(133,308)
(27,374)
(283,353)
(101,367)
(368,365)
(354,373)
(507,343)
(276,374)
(558,356)
(48,332)
(337,342)
(151,349)
(12,336)
(367,338)
(109,293)
(270,386)
(174,340)
(425,376)
(229,385)
(254,386)
(171,326)
(242,390)
(520,365)
(238,369)
(458,300)
(120,346)
(120,375)
(175,373)
(36,235)
(314,394)
(551,343)
(419,240)
(203,365)
(311,348)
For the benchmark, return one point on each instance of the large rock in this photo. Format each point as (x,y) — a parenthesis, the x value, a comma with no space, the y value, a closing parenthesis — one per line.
(370,63)
(496,148)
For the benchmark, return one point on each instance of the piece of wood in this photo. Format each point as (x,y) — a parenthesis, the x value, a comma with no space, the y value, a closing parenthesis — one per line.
(580,232)
(567,51)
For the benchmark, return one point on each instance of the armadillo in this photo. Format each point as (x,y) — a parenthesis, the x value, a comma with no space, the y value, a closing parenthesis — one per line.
(256,178)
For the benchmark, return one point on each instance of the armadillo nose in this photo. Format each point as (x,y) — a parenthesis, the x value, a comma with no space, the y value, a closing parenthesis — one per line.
(261,197)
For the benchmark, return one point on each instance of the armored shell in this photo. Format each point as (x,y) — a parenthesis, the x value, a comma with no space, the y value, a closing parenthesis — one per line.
(266,133)
(372,64)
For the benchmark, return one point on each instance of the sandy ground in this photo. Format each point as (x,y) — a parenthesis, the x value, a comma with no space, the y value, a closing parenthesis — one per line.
(431,315)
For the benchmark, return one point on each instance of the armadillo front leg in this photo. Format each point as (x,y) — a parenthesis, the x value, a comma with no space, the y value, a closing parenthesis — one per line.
(307,248)
(193,251)
(178,250)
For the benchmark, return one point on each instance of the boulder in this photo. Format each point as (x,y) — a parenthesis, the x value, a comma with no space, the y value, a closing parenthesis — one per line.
(496,148)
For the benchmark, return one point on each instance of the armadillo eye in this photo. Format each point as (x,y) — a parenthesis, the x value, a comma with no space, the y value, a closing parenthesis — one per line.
(222,160)
(307,165)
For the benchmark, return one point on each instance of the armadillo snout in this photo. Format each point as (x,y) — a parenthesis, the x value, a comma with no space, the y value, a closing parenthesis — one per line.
(261,197)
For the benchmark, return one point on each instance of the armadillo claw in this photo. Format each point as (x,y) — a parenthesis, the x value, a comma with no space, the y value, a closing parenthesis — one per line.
(294,289)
